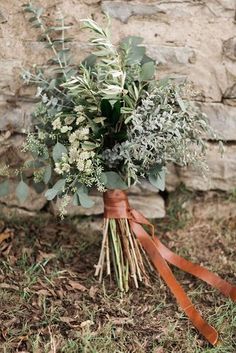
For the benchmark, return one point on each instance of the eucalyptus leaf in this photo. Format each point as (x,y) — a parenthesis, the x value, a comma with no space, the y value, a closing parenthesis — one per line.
(112,180)
(84,198)
(58,151)
(75,200)
(130,41)
(22,191)
(147,71)
(147,59)
(4,188)
(47,174)
(135,55)
(55,190)
(60,185)
(36,163)
(157,178)
(50,194)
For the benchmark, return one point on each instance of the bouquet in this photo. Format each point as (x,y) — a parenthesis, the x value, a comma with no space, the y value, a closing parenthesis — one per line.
(107,123)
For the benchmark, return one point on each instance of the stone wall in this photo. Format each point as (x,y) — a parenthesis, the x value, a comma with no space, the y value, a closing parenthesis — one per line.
(189,39)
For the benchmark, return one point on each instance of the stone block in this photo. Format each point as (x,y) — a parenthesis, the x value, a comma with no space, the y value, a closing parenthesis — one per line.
(34,202)
(11,150)
(123,11)
(172,55)
(222,118)
(16,117)
(229,48)
(222,173)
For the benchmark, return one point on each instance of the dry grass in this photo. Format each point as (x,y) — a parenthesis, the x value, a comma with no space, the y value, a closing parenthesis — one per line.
(51,303)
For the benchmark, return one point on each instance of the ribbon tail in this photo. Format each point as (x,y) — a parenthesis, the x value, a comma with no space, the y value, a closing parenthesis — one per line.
(205,275)
(165,272)
(198,271)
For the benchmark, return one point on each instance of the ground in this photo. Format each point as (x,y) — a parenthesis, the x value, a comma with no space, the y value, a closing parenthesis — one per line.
(51,302)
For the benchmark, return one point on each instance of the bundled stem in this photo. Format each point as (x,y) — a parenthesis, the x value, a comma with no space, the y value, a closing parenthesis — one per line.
(122,252)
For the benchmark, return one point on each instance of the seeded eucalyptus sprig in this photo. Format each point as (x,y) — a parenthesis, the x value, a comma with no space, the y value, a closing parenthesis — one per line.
(59,69)
(54,36)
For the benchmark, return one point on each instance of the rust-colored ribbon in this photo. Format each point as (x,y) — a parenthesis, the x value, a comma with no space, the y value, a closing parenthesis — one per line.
(116,205)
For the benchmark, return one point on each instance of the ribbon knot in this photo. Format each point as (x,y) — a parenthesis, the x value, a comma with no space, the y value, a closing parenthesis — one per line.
(116,205)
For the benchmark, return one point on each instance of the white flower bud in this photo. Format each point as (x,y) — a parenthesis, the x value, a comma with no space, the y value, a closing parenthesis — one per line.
(65,129)
(56,124)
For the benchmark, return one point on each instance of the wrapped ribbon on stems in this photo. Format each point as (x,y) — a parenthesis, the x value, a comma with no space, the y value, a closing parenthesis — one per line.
(132,251)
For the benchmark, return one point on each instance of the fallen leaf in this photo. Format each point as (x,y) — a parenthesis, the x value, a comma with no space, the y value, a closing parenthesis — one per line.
(66,319)
(92,292)
(45,256)
(44,287)
(12,260)
(86,323)
(77,286)
(69,321)
(5,235)
(121,321)
(159,350)
(60,293)
(44,292)
(10,322)
(8,286)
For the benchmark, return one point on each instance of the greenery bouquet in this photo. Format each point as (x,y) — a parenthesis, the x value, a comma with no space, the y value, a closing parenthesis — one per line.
(107,124)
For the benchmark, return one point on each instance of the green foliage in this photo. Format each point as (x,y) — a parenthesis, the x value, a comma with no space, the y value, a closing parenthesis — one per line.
(4,188)
(58,44)
(84,199)
(49,82)
(47,174)
(58,151)
(57,189)
(147,71)
(162,129)
(22,191)
(51,194)
(112,180)
(103,122)
(157,177)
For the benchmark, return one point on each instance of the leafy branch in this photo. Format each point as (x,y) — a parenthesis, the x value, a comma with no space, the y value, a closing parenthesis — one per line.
(56,45)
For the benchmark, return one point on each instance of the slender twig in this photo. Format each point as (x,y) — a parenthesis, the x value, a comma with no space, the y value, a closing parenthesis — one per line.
(108,256)
(116,251)
(130,258)
(133,250)
(120,245)
(105,231)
